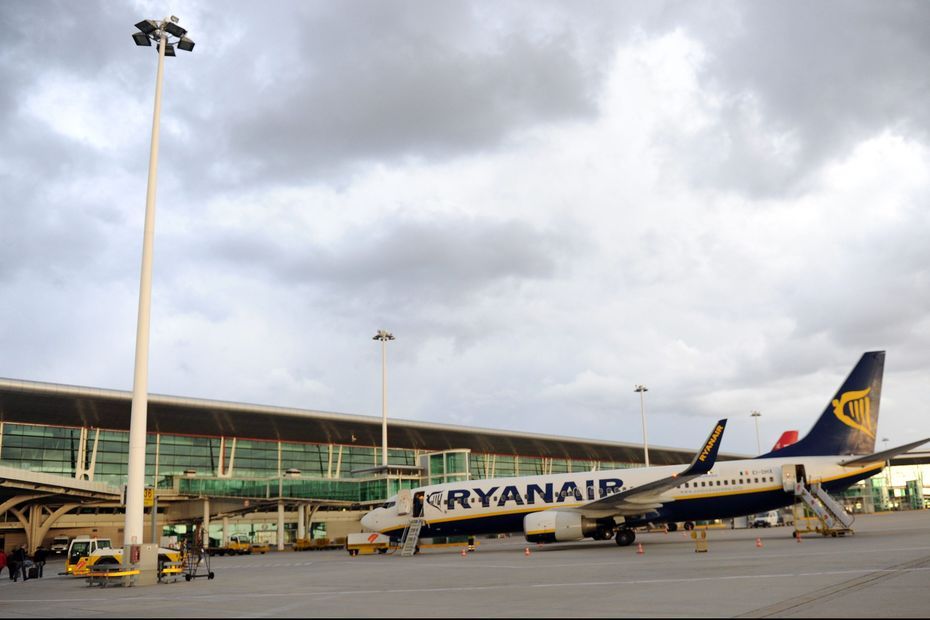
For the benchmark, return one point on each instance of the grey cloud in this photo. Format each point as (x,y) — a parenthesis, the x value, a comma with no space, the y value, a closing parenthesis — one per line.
(409,261)
(824,76)
(353,82)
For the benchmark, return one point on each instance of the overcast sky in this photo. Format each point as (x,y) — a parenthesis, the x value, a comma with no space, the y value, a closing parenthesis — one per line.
(545,202)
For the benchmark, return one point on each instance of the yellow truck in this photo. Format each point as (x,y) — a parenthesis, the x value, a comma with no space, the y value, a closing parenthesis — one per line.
(79,551)
(236,545)
(239,545)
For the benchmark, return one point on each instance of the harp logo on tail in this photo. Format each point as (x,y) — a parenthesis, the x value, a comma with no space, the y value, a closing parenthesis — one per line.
(853,409)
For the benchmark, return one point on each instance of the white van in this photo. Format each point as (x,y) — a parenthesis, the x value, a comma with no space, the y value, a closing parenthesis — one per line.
(766,519)
(59,544)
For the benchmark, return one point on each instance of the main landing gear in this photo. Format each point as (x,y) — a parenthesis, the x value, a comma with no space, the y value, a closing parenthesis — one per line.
(625,537)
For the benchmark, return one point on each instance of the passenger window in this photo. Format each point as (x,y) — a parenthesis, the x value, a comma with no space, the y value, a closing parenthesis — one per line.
(741,481)
(756,480)
(718,483)
(703,483)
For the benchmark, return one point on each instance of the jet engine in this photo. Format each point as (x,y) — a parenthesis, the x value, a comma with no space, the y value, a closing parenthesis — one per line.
(560,525)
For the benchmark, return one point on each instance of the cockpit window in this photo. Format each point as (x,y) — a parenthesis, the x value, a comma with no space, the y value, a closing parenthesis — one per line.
(388,504)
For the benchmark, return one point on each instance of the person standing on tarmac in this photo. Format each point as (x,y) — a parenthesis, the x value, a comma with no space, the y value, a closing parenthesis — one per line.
(18,563)
(39,558)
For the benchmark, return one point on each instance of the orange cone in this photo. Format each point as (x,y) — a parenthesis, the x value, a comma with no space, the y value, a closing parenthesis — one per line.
(759,542)
(464,552)
(639,549)
(526,551)
(797,536)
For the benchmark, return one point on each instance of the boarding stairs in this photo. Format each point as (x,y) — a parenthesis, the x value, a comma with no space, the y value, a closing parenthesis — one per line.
(832,515)
(411,537)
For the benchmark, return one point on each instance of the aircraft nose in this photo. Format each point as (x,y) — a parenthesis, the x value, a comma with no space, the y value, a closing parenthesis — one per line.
(369,521)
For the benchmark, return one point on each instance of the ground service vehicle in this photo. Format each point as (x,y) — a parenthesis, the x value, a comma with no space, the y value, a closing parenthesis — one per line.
(108,557)
(59,544)
(261,548)
(765,519)
(237,545)
(367,542)
(79,551)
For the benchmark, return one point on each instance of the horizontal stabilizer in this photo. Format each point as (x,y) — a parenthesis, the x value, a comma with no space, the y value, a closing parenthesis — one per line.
(884,455)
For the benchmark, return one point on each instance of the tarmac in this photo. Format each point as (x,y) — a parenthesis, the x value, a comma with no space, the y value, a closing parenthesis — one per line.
(882,571)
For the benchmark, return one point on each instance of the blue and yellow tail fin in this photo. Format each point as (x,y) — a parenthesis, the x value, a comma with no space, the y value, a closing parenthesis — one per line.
(850,420)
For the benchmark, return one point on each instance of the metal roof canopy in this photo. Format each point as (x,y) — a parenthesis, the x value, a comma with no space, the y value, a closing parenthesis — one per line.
(64,405)
(52,489)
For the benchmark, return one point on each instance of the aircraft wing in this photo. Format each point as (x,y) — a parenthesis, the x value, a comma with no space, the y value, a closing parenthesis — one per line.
(649,496)
(884,455)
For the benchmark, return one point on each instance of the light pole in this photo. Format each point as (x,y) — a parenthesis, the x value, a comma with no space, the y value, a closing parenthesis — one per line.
(383,336)
(756,415)
(166,34)
(642,389)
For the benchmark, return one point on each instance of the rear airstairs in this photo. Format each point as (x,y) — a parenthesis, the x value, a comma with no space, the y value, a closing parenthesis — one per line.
(833,518)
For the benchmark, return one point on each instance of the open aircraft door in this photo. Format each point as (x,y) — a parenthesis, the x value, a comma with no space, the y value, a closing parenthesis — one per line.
(787,478)
(404,502)
(791,474)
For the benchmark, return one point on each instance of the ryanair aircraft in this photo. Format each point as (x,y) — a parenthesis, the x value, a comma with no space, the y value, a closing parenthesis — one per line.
(836,453)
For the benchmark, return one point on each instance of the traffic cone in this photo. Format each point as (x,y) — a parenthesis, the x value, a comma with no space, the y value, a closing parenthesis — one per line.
(526,551)
(797,536)
(759,542)
(639,549)
(464,552)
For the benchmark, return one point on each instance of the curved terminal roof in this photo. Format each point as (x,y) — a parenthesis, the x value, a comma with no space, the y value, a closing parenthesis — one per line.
(65,405)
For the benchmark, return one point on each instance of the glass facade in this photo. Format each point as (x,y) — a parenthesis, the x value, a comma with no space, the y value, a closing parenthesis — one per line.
(231,467)
(46,449)
(247,468)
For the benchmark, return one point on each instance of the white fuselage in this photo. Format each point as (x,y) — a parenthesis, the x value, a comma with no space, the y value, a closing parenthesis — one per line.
(446,506)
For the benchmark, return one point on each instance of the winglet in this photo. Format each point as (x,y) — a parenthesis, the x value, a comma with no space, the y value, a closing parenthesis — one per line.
(704,460)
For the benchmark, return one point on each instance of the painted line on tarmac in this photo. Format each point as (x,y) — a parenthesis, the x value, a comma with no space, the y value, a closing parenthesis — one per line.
(624,560)
(576,584)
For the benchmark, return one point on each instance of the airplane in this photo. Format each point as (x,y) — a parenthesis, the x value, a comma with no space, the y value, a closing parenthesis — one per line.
(837,452)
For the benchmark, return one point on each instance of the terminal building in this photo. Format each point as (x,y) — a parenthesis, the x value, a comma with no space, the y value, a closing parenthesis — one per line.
(278,474)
